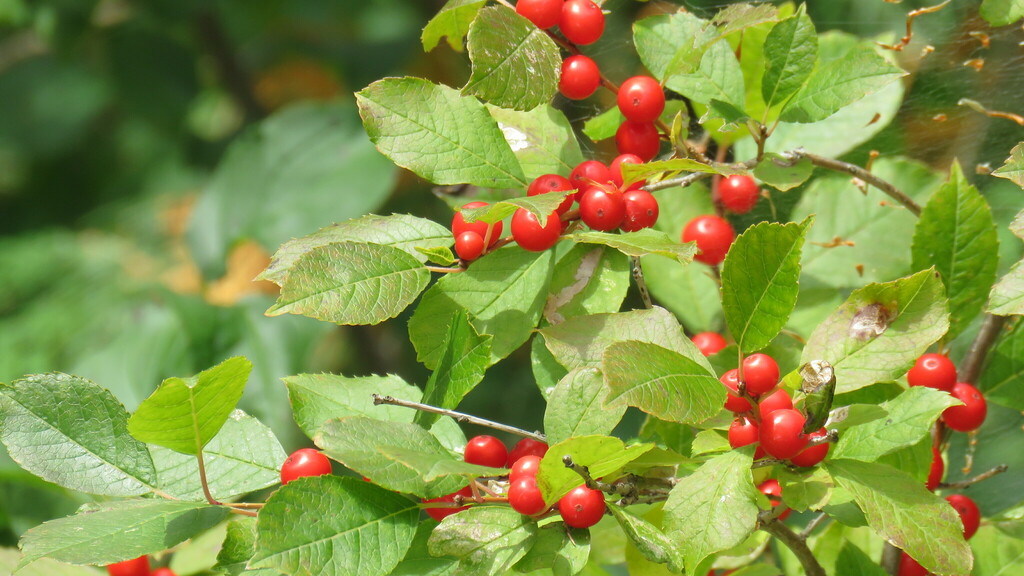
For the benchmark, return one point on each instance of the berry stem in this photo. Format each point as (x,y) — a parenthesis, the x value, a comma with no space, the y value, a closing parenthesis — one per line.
(458,416)
(971,365)
(641,284)
(796,544)
(445,269)
(241,512)
(979,478)
(812,525)
(681,181)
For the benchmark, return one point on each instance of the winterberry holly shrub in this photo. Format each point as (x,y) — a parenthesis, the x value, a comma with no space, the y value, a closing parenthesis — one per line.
(804,429)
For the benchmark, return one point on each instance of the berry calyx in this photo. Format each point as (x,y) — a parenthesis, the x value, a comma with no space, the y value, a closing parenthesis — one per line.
(581,22)
(552,183)
(527,447)
(543,13)
(528,232)
(773,491)
(708,342)
(469,245)
(970,516)
(713,236)
(778,400)
(304,462)
(486,450)
(761,373)
(524,496)
(615,169)
(910,567)
(580,77)
(738,193)
(527,465)
(782,434)
(601,209)
(638,138)
(812,455)
(441,513)
(972,414)
(641,99)
(641,210)
(937,469)
(589,173)
(459,225)
(163,572)
(742,432)
(733,401)
(134,567)
(934,371)
(582,507)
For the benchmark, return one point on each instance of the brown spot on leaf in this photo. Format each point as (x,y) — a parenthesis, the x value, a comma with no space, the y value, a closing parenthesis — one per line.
(871,321)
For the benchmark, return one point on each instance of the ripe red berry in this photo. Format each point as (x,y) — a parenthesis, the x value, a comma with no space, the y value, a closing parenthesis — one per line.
(528,232)
(641,99)
(778,400)
(582,507)
(937,470)
(459,225)
(782,434)
(615,169)
(970,516)
(469,245)
(708,342)
(552,183)
(738,193)
(543,13)
(773,491)
(304,462)
(527,465)
(582,22)
(971,415)
(442,513)
(761,373)
(639,138)
(713,236)
(910,567)
(135,567)
(733,401)
(589,173)
(601,209)
(527,447)
(812,455)
(163,572)
(524,496)
(580,77)
(933,370)
(743,432)
(486,451)
(641,210)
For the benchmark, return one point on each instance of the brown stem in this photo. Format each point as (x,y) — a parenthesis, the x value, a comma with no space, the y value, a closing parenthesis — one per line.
(641,284)
(243,512)
(858,172)
(979,478)
(812,525)
(970,367)
(203,481)
(891,558)
(796,544)
(459,416)
(681,181)
(215,40)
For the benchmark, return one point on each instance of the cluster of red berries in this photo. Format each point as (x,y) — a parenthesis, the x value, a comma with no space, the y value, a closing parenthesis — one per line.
(938,371)
(137,567)
(713,234)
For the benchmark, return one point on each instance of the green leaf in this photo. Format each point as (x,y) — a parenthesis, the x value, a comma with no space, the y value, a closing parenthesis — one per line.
(957,236)
(604,125)
(562,550)
(542,206)
(902,511)
(408,233)
(790,52)
(649,539)
(437,133)
(69,431)
(712,509)
(909,418)
(805,489)
(1002,381)
(759,281)
(996,553)
(668,168)
(515,64)
(504,295)
(9,558)
(1007,296)
(442,256)
(453,22)
(575,408)
(852,560)
(881,329)
(369,538)
(839,83)
(184,414)
(1013,168)
(116,531)
(1002,12)
(781,174)
(740,16)
(419,561)
(640,243)
(672,44)
(542,139)
(487,540)
(351,283)
(317,398)
(661,382)
(602,455)
(238,548)
(719,77)
(587,280)
(466,357)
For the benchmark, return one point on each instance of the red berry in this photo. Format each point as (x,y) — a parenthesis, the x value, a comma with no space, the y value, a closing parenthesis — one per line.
(910,567)
(615,169)
(933,370)
(782,434)
(641,99)
(527,447)
(589,173)
(304,462)
(742,432)
(525,466)
(969,416)
(469,245)
(773,491)
(528,232)
(552,183)
(524,496)
(733,401)
(713,236)
(738,193)
(970,516)
(582,22)
(543,13)
(442,513)
(580,77)
(641,210)
(708,342)
(812,455)
(163,572)
(639,138)
(459,225)
(937,470)
(486,451)
(602,210)
(761,373)
(778,400)
(582,507)
(135,567)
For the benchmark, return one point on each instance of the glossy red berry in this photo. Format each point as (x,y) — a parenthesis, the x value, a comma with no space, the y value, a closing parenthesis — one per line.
(970,516)
(527,447)
(615,169)
(743,432)
(580,77)
(486,451)
(910,567)
(459,225)
(304,462)
(581,22)
(778,400)
(782,434)
(135,567)
(733,401)
(641,210)
(713,236)
(442,513)
(589,173)
(469,245)
(163,572)
(543,13)
(738,193)
(524,496)
(773,491)
(971,415)
(552,183)
(708,342)
(641,99)
(937,469)
(528,232)
(601,209)
(812,455)
(582,507)
(527,465)
(934,371)
(639,138)
(761,373)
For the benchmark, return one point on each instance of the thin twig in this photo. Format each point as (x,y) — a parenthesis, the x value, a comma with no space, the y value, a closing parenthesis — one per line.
(812,525)
(246,504)
(910,26)
(970,367)
(445,269)
(795,543)
(202,479)
(681,181)
(979,478)
(459,416)
(641,284)
(840,166)
(765,462)
(243,512)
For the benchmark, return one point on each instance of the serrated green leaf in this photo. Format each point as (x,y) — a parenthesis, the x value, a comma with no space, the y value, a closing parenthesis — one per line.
(602,455)
(902,511)
(542,139)
(561,550)
(1007,295)
(1002,12)
(317,398)
(881,329)
(783,175)
(434,466)
(661,382)
(575,407)
(909,418)
(238,548)
(1002,381)
(957,236)
(719,77)
(736,17)
(452,22)
(640,243)
(487,540)
(669,168)
(116,531)
(760,281)
(805,489)
(184,414)
(1013,168)
(409,233)
(790,51)
(649,539)
(437,133)
(712,509)
(419,561)
(672,44)
(587,280)
(351,283)
(369,538)
(542,206)
(69,431)
(915,460)
(467,355)
(442,256)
